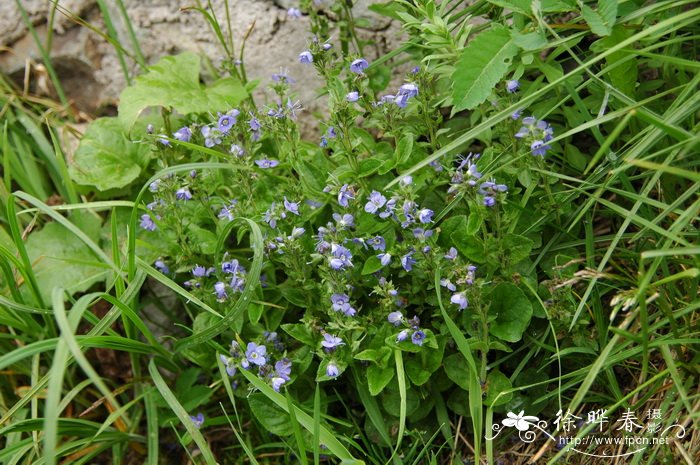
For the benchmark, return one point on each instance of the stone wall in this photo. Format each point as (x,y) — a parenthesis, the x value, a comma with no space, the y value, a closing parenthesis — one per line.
(88,65)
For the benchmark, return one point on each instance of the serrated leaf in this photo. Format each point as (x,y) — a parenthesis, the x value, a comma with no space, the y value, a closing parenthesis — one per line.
(530,41)
(483,63)
(601,21)
(106,159)
(173,82)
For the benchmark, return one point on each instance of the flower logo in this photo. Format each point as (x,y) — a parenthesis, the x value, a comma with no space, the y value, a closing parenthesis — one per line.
(520,421)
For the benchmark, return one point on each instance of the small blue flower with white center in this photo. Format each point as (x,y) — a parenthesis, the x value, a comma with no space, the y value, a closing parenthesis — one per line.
(294,13)
(407,261)
(212,136)
(147,223)
(291,207)
(183,193)
(384,258)
(444,282)
(377,243)
(220,291)
(265,163)
(451,254)
(359,66)
(512,86)
(345,195)
(344,221)
(306,58)
(331,342)
(341,303)
(418,337)
(255,354)
(425,215)
(340,257)
(332,370)
(460,299)
(395,318)
(226,122)
(353,96)
(184,134)
(375,201)
(236,150)
(402,336)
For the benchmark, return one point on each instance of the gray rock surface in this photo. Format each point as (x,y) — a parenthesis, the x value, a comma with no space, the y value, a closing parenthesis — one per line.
(89,68)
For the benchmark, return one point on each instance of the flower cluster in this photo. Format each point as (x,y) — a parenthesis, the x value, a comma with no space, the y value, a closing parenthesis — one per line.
(537,133)
(412,328)
(257,356)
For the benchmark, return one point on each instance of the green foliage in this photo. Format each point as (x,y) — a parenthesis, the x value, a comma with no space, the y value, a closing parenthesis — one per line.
(173,83)
(482,65)
(106,158)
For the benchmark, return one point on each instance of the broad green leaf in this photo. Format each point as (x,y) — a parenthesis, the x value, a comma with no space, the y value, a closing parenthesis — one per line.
(371,265)
(421,366)
(457,370)
(106,159)
(512,311)
(497,382)
(484,62)
(272,417)
(173,82)
(60,259)
(391,401)
(299,332)
(525,6)
(624,75)
(470,246)
(516,247)
(378,378)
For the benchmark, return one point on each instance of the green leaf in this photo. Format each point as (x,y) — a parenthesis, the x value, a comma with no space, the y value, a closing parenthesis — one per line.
(469,246)
(516,247)
(299,332)
(484,62)
(404,148)
(371,265)
(378,378)
(600,21)
(496,383)
(273,418)
(624,75)
(526,6)
(512,311)
(106,159)
(173,82)
(457,370)
(60,259)
(421,366)
(530,41)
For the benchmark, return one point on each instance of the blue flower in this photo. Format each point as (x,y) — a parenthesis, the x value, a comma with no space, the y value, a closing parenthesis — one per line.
(332,370)
(422,234)
(418,337)
(306,57)
(294,13)
(353,96)
(227,211)
(183,134)
(228,362)
(297,232)
(183,193)
(407,261)
(292,207)
(375,202)
(161,266)
(154,186)
(283,369)
(147,223)
(236,150)
(444,282)
(489,201)
(512,86)
(331,342)
(198,420)
(265,163)
(539,148)
(277,383)
(340,257)
(359,66)
(220,291)
(199,271)
(344,221)
(377,243)
(395,318)
(402,336)
(425,215)
(460,299)
(227,121)
(451,254)
(384,258)
(405,92)
(255,354)
(212,136)
(341,303)
(345,195)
